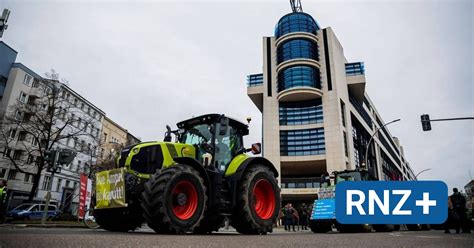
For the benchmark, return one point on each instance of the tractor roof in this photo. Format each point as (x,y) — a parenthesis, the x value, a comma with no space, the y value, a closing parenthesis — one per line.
(210,119)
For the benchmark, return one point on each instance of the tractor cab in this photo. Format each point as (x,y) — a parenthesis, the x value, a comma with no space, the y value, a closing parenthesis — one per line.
(216,138)
(352,175)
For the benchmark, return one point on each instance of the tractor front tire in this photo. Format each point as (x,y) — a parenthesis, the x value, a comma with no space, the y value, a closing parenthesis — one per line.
(119,219)
(257,201)
(174,200)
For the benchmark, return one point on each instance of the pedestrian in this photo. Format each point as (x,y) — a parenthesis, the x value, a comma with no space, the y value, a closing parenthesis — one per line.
(289,217)
(453,219)
(3,200)
(294,217)
(459,206)
(304,217)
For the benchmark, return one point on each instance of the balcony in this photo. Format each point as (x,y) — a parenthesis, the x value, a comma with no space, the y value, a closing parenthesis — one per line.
(255,89)
(355,74)
(307,182)
(255,80)
(296,94)
(300,188)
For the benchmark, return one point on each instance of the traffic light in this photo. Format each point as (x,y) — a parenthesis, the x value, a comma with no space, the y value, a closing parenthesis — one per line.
(49,156)
(425,122)
(66,157)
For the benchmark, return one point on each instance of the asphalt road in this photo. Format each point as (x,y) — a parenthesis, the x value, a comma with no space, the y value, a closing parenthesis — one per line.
(78,237)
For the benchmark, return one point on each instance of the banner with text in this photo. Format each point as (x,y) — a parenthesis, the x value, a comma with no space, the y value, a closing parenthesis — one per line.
(110,189)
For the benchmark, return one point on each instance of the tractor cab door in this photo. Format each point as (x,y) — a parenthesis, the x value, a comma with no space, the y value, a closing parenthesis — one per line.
(228,142)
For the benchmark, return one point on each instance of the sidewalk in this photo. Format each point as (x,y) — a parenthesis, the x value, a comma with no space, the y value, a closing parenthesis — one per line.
(49,224)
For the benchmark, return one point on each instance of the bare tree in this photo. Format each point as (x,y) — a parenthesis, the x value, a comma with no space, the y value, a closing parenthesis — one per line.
(106,157)
(44,120)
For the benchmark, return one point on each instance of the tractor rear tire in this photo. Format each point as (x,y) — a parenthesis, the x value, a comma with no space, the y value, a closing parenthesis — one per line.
(257,201)
(174,200)
(119,219)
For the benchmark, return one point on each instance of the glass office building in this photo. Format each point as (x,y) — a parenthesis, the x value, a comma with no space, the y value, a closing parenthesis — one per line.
(317,117)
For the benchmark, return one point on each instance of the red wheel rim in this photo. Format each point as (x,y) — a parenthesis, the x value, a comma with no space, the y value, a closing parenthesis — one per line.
(264,199)
(185,200)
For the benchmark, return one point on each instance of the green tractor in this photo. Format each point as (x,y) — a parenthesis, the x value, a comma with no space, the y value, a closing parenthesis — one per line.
(191,185)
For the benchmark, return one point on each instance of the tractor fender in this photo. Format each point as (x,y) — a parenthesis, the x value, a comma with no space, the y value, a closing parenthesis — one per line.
(248,163)
(197,166)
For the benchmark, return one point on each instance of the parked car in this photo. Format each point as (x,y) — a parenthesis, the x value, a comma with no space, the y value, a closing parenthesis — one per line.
(32,211)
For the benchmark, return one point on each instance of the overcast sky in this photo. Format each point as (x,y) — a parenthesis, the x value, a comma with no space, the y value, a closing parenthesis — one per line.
(150,64)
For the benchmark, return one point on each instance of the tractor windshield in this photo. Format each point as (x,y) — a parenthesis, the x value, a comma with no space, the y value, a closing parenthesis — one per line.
(200,136)
(350,176)
(197,135)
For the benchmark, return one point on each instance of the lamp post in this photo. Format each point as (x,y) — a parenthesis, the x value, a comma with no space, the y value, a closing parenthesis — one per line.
(371,137)
(416,176)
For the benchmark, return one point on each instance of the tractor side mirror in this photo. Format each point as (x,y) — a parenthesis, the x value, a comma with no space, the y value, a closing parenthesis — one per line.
(167,134)
(256,148)
(224,126)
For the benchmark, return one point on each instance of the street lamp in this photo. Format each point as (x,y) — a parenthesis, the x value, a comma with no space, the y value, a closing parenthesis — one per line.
(371,137)
(416,176)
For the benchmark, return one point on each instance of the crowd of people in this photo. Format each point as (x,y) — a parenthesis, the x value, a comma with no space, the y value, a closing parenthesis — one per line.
(293,219)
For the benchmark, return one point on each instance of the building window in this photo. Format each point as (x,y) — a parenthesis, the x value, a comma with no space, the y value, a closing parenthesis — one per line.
(8,152)
(345,144)
(46,183)
(299,76)
(343,113)
(12,133)
(302,142)
(301,113)
(297,48)
(311,182)
(27,79)
(23,97)
(3,171)
(22,136)
(59,184)
(17,154)
(67,183)
(27,178)
(30,159)
(12,174)
(296,22)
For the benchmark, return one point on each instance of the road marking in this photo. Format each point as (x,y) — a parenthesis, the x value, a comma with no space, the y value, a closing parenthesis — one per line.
(429,237)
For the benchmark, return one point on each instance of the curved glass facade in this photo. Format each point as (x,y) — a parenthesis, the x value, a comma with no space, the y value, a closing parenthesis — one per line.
(296,22)
(299,76)
(302,142)
(297,48)
(301,113)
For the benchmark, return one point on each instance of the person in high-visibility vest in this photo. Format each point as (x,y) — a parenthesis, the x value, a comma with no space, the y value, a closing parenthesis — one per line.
(3,200)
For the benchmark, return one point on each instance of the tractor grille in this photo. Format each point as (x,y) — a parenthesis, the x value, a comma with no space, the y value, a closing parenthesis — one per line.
(148,160)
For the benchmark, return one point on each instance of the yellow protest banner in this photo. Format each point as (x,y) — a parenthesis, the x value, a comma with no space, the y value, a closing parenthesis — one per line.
(110,189)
